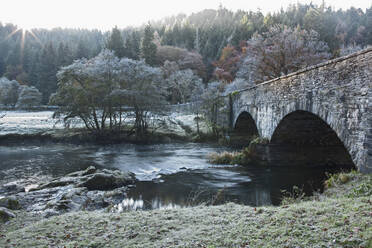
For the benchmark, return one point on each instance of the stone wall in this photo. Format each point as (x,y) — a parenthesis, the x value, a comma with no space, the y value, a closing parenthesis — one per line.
(338,91)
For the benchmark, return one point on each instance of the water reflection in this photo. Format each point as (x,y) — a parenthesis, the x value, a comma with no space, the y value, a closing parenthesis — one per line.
(130,204)
(246,185)
(171,175)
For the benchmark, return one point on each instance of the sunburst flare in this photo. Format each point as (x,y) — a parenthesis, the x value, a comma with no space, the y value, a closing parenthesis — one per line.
(23,38)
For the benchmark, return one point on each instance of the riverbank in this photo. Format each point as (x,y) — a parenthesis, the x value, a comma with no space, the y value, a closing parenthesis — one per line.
(27,127)
(82,136)
(340,217)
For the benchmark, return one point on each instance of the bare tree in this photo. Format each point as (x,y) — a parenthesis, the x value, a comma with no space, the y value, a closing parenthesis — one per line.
(181,85)
(280,51)
(1,116)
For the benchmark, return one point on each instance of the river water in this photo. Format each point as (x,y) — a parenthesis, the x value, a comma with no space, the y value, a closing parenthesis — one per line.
(170,175)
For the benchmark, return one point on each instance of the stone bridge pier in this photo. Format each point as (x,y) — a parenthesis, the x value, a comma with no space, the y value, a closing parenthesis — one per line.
(324,109)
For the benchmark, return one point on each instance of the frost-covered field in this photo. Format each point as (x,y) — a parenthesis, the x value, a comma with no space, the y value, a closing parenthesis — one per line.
(25,122)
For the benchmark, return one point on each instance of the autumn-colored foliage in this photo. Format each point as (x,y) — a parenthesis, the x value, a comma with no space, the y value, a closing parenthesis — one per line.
(184,59)
(228,64)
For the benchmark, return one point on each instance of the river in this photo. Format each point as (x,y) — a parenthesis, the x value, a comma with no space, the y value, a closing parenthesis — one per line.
(170,175)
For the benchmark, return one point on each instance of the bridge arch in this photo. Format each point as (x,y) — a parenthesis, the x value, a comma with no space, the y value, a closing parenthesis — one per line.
(244,129)
(308,138)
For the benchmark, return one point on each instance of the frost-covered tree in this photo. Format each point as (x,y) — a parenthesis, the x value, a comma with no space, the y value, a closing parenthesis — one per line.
(182,84)
(98,90)
(144,88)
(346,50)
(8,92)
(28,97)
(83,90)
(1,116)
(282,50)
(20,96)
(169,67)
(237,84)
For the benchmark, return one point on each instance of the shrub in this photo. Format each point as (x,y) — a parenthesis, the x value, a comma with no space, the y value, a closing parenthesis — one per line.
(244,157)
(338,179)
(259,140)
(363,189)
(222,158)
(296,195)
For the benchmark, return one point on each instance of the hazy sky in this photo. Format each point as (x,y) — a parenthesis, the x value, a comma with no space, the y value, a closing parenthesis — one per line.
(105,14)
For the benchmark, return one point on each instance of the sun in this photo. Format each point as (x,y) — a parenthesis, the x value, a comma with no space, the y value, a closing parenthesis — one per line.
(25,32)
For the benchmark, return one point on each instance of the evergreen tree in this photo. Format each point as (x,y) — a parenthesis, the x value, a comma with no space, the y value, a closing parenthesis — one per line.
(197,41)
(132,46)
(115,43)
(2,66)
(148,48)
(47,81)
(82,51)
(64,55)
(34,71)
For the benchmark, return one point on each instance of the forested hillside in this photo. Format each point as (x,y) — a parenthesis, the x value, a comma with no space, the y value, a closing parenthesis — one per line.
(214,44)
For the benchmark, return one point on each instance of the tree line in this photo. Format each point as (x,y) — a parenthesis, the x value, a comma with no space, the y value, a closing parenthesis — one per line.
(212,45)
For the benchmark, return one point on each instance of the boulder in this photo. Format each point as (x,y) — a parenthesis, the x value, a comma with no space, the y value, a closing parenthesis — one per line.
(6,214)
(108,180)
(88,189)
(92,179)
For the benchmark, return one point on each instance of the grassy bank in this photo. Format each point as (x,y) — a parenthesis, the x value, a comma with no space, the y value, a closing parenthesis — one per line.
(247,155)
(341,217)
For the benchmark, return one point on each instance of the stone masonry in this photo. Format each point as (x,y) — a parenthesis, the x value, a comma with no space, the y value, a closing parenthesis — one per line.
(338,91)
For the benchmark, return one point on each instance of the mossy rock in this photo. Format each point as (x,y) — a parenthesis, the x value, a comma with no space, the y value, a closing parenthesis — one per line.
(5,215)
(344,178)
(10,203)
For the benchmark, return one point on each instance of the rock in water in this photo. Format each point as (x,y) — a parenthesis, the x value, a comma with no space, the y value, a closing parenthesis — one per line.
(89,189)
(92,179)
(11,188)
(88,171)
(108,180)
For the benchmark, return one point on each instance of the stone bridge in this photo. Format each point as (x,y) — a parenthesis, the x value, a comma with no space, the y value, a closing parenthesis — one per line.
(327,106)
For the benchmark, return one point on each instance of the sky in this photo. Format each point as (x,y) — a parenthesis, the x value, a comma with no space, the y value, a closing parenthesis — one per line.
(105,14)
